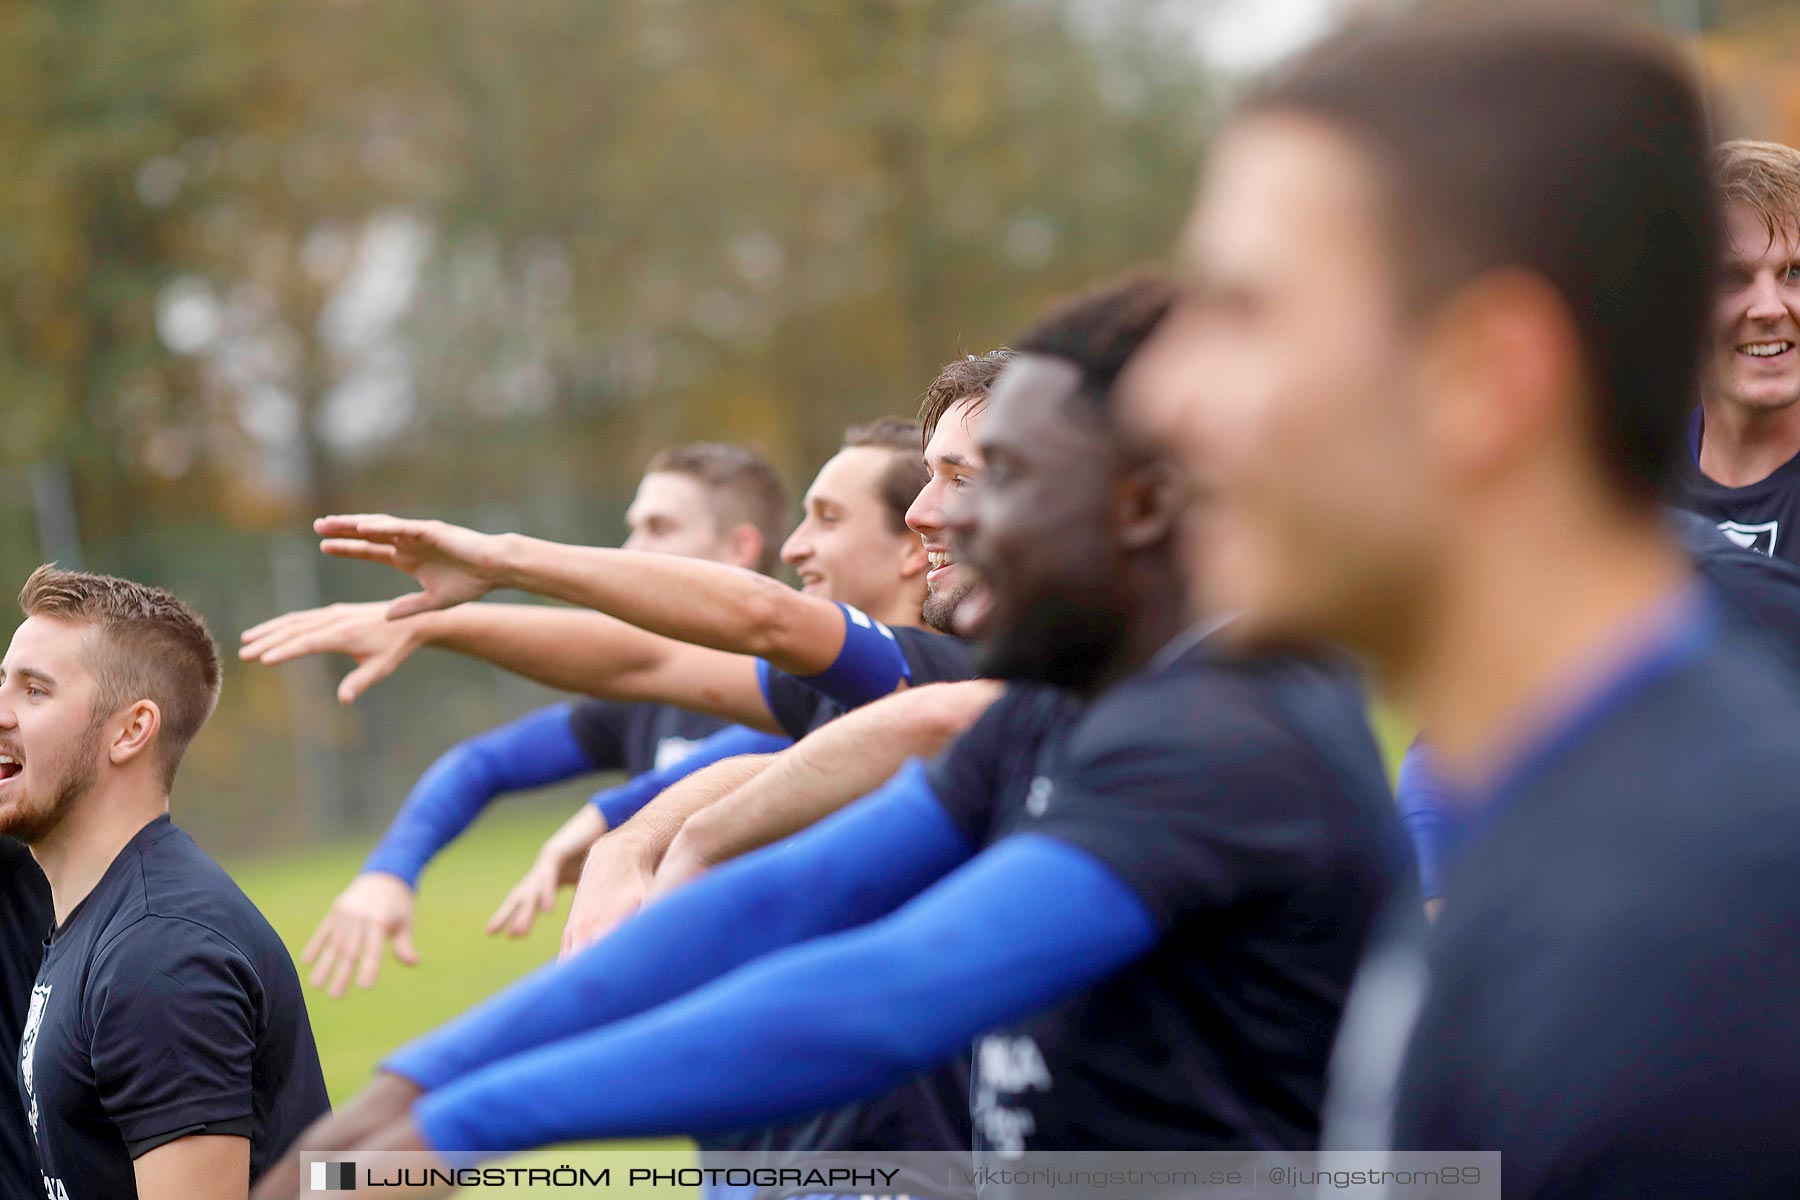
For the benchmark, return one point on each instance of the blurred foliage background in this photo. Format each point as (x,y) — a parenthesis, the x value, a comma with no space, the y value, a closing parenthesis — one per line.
(264,259)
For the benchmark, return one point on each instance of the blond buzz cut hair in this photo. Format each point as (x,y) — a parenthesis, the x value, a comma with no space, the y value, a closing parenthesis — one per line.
(144,645)
(1765,176)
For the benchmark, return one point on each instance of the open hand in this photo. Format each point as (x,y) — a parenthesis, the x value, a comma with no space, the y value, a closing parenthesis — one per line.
(361,631)
(453,565)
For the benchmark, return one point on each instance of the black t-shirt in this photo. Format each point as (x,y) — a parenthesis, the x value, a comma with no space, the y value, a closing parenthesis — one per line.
(1763,516)
(1614,995)
(1246,804)
(165,1006)
(931,657)
(1760,593)
(636,738)
(25,917)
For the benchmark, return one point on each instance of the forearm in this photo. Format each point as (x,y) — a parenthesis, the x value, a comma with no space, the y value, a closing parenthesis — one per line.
(535,750)
(596,655)
(834,766)
(845,872)
(703,603)
(658,823)
(1016,930)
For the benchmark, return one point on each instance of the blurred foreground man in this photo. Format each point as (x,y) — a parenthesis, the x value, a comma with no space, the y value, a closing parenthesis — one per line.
(1743,465)
(166,1052)
(1450,289)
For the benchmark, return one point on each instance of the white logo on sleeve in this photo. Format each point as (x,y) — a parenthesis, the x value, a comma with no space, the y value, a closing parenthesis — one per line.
(34,1018)
(1037,800)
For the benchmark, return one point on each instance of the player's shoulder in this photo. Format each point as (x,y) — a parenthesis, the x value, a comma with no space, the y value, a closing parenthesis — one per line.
(934,657)
(1211,698)
(175,895)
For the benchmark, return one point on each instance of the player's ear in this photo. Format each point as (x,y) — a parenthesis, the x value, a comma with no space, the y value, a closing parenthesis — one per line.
(747,546)
(913,562)
(135,729)
(1149,504)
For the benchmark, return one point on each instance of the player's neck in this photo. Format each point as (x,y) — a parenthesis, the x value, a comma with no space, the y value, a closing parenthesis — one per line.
(1159,613)
(1740,446)
(1524,621)
(77,853)
(904,609)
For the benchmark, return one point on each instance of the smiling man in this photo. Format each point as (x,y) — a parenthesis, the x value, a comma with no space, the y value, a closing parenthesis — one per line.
(1148,870)
(1448,287)
(1743,469)
(166,1054)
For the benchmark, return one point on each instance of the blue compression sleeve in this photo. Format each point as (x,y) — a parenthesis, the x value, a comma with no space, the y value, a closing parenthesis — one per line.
(1027,923)
(1432,821)
(621,803)
(869,665)
(537,749)
(852,867)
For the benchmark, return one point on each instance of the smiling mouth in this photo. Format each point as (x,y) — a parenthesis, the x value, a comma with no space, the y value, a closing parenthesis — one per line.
(10,767)
(1768,349)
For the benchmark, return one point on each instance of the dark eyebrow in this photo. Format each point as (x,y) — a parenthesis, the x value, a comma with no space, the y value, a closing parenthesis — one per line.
(949,460)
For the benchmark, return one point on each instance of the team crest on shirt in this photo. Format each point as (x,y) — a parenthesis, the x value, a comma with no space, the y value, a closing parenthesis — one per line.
(34,1017)
(1759,536)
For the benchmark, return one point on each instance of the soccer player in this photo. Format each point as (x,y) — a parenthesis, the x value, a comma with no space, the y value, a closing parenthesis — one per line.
(25,919)
(166,1052)
(1450,285)
(1145,893)
(1743,465)
(1760,593)
(708,500)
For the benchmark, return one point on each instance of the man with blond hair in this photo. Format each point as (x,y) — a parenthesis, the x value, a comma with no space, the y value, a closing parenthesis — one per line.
(1743,466)
(166,1051)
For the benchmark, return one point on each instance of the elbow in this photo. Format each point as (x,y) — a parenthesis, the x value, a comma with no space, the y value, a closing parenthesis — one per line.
(767,622)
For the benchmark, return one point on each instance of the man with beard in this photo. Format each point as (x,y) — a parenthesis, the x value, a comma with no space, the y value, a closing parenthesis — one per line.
(1182,850)
(1450,286)
(166,1052)
(25,917)
(699,635)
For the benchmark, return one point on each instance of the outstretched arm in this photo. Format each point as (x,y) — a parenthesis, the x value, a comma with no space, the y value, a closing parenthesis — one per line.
(822,772)
(376,909)
(705,603)
(1024,925)
(855,867)
(573,651)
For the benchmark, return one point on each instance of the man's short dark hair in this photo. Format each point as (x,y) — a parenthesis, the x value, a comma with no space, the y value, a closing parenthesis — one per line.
(905,476)
(1573,149)
(145,645)
(1100,329)
(748,489)
(967,378)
